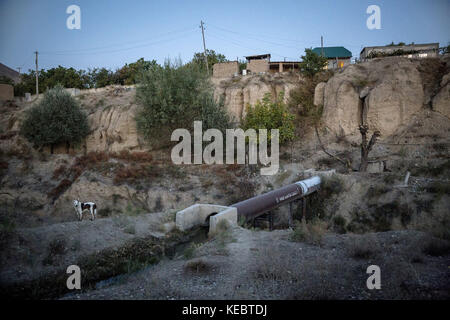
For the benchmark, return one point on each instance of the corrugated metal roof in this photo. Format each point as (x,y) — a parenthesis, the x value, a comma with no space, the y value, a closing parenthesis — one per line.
(333,52)
(259,56)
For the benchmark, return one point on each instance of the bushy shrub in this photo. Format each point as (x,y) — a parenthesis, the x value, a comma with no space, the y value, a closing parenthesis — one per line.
(174,96)
(268,114)
(57,118)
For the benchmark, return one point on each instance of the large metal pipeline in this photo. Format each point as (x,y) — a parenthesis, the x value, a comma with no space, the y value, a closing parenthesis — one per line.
(256,206)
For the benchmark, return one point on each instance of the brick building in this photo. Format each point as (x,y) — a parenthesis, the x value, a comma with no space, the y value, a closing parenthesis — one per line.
(225,69)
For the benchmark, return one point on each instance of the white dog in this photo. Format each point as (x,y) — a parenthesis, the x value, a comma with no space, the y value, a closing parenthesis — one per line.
(80,207)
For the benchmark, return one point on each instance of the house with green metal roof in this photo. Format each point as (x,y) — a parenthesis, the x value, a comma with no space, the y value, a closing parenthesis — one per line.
(338,57)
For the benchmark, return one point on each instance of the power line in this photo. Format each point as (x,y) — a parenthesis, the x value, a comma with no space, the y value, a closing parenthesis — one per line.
(95,50)
(120,50)
(258,39)
(251,36)
(257,35)
(238,44)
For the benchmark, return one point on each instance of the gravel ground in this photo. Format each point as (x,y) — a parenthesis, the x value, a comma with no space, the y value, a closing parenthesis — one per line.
(248,264)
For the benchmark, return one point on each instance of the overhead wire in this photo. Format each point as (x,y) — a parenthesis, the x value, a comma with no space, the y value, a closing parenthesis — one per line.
(99,50)
(239,44)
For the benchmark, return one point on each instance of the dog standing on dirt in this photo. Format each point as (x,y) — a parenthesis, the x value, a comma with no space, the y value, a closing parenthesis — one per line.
(80,207)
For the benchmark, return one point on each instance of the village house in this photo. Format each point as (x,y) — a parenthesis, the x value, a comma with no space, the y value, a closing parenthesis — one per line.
(9,73)
(425,50)
(258,63)
(338,57)
(225,69)
(7,90)
(262,63)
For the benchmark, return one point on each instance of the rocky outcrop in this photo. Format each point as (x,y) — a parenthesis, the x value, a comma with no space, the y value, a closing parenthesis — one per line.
(113,129)
(441,102)
(319,93)
(239,91)
(385,93)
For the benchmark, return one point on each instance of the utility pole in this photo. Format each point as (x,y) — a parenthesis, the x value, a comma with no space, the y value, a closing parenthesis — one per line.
(321,44)
(204,46)
(37,76)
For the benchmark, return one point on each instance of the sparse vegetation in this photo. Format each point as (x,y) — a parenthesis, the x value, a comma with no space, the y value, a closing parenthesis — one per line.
(198,266)
(105,212)
(222,236)
(59,189)
(7,226)
(439,188)
(56,247)
(130,228)
(339,224)
(437,247)
(377,190)
(362,247)
(189,252)
(331,185)
(310,233)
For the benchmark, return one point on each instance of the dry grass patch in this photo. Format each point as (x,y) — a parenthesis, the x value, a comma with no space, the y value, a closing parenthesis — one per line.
(436,248)
(311,233)
(363,247)
(198,266)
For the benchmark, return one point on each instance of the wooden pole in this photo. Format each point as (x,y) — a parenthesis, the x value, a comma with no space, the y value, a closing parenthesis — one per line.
(37,75)
(204,46)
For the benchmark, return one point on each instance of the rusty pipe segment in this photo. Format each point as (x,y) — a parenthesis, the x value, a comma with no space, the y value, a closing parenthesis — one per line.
(256,206)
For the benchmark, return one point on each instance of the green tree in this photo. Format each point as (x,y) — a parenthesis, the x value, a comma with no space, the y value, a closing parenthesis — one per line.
(130,73)
(268,114)
(393,44)
(57,118)
(101,77)
(173,96)
(312,63)
(67,77)
(212,56)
